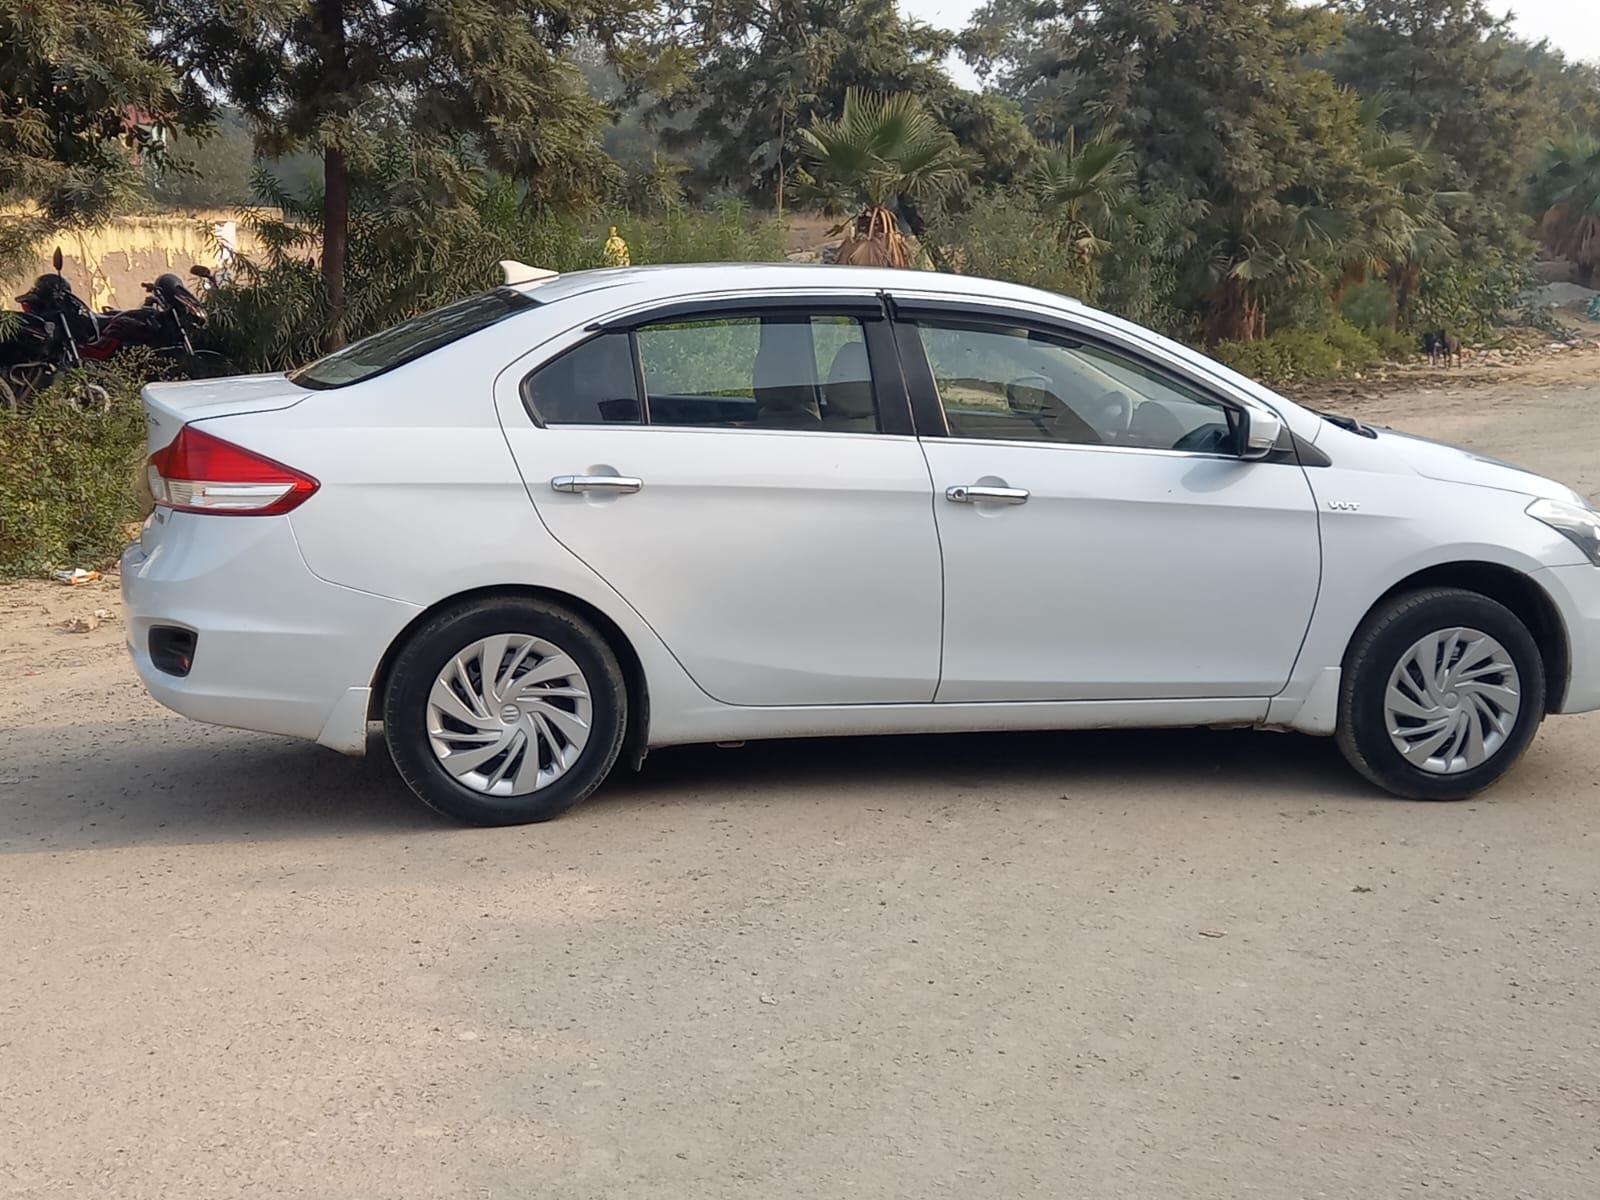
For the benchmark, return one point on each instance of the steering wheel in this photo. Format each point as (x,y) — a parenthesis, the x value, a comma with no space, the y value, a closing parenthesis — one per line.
(1016,399)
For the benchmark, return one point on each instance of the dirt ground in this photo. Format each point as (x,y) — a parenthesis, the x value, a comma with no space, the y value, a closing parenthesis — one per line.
(1181,965)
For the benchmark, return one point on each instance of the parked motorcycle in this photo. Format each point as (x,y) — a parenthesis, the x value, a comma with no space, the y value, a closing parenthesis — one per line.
(162,323)
(31,355)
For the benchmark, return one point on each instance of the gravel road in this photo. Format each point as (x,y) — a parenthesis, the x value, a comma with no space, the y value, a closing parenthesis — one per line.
(1180,965)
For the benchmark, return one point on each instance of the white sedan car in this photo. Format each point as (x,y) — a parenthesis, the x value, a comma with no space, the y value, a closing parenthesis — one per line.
(564,521)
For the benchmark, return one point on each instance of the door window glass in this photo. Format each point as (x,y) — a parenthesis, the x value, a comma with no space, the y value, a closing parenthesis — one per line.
(591,384)
(773,372)
(1016,384)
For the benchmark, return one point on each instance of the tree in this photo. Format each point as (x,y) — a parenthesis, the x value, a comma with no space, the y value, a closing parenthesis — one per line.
(1403,226)
(766,69)
(1565,196)
(83,98)
(461,84)
(1450,79)
(1087,189)
(1228,124)
(891,156)
(210,170)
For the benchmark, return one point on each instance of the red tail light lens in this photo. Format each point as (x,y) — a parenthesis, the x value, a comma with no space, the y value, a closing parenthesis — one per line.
(201,473)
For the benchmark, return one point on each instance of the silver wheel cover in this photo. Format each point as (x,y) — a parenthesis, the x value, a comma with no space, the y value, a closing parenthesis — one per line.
(509,715)
(1452,701)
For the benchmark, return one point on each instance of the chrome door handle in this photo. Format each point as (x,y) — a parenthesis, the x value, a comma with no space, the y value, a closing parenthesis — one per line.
(596,483)
(971,493)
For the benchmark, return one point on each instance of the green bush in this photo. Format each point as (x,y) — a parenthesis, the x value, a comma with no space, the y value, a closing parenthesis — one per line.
(1004,235)
(1369,306)
(1392,344)
(1295,355)
(731,232)
(1468,295)
(67,493)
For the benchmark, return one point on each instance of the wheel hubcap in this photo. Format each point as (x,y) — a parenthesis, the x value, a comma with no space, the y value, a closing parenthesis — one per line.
(1452,701)
(509,715)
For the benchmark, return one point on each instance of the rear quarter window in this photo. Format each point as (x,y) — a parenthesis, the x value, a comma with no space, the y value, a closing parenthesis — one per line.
(411,339)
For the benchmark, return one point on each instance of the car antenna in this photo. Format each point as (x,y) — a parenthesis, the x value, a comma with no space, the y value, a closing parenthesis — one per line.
(520,272)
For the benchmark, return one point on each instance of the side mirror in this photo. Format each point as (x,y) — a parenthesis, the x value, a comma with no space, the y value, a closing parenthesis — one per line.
(57,259)
(1259,432)
(200,272)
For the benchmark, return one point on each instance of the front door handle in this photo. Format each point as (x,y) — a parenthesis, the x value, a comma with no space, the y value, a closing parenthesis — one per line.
(621,484)
(971,493)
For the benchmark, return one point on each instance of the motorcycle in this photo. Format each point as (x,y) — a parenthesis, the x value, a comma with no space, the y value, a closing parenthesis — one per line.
(163,323)
(31,355)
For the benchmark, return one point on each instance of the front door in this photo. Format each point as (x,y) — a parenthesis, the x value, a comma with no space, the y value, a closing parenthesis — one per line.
(1101,539)
(749,483)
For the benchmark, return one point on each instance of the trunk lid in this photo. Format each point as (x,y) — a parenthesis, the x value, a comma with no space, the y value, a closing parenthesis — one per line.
(168,407)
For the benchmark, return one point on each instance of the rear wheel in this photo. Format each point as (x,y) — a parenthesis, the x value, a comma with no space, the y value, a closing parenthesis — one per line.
(1442,691)
(505,711)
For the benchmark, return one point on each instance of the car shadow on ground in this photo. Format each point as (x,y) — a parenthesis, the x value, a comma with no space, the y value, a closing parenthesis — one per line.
(174,782)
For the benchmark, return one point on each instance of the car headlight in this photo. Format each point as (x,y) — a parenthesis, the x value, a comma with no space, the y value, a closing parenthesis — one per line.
(1579,524)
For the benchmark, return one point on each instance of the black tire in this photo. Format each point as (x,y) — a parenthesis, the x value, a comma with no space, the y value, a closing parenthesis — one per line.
(431,647)
(1377,649)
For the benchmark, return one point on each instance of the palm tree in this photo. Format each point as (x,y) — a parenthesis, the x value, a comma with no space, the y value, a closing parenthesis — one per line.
(889,155)
(1088,189)
(1401,226)
(1253,251)
(1565,193)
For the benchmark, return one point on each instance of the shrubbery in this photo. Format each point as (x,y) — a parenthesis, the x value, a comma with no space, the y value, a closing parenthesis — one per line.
(1295,355)
(68,493)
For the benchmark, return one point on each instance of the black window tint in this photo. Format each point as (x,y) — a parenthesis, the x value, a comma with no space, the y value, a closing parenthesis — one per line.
(1016,384)
(411,339)
(759,372)
(591,384)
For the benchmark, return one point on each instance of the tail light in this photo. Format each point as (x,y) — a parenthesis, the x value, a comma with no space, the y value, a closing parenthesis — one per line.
(201,473)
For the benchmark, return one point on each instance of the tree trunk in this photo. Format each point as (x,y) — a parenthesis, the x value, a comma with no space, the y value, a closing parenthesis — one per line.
(335,177)
(1232,314)
(1404,279)
(335,241)
(1352,274)
(919,230)
(874,240)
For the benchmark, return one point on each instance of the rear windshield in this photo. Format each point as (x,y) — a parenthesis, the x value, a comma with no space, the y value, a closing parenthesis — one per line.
(411,339)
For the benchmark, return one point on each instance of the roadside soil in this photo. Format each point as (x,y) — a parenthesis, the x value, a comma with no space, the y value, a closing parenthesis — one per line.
(1183,965)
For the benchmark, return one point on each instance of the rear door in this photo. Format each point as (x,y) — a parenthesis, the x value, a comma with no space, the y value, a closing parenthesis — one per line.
(748,480)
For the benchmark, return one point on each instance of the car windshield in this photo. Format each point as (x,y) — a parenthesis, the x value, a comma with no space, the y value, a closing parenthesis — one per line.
(411,339)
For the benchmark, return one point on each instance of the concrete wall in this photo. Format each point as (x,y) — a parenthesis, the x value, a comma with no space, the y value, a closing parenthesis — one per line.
(107,266)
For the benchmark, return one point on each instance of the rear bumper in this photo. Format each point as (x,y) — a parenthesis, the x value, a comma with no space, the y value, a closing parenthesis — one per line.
(1576,591)
(278,649)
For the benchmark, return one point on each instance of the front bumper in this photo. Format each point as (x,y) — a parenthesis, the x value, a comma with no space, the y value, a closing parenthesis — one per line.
(1576,592)
(278,649)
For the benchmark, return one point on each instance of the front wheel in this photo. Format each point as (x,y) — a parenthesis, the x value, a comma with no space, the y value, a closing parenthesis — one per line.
(1442,690)
(505,711)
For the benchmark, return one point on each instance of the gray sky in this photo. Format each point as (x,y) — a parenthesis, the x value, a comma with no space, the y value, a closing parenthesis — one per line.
(1562,21)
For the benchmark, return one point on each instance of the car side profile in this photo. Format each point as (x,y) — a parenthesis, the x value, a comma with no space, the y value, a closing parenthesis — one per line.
(568,520)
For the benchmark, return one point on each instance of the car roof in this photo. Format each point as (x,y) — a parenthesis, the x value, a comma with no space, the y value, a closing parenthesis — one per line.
(699,279)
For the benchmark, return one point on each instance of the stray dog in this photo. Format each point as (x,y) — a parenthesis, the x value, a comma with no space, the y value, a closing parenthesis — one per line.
(1437,344)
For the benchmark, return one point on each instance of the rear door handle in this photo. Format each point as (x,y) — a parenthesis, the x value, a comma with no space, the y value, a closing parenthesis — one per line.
(971,493)
(596,483)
